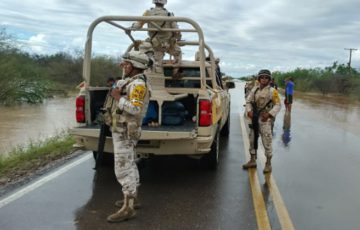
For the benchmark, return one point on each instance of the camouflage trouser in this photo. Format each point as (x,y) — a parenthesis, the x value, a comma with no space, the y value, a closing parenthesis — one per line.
(126,170)
(266,137)
(159,52)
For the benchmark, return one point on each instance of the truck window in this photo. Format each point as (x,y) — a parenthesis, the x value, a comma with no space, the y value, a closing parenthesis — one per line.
(185,82)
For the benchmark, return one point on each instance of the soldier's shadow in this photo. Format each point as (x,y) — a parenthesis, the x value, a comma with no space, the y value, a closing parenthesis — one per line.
(162,178)
(105,190)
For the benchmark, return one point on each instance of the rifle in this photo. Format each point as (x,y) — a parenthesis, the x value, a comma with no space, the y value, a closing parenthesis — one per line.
(102,134)
(255,121)
(255,124)
(104,126)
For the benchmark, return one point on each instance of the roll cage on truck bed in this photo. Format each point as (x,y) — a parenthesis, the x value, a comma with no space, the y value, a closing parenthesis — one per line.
(205,101)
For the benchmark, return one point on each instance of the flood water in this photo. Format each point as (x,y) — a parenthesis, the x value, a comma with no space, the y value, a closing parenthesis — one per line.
(316,161)
(24,123)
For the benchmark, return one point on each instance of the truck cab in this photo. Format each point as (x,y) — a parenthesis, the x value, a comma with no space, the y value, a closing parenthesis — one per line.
(186,114)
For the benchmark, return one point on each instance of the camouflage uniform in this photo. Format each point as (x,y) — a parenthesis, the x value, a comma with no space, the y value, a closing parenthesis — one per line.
(261,97)
(126,120)
(162,41)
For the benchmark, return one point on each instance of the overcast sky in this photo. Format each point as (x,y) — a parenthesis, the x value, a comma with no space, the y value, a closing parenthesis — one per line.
(245,35)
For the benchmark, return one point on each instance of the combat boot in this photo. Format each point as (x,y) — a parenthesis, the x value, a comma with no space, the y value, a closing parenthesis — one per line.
(137,204)
(268,167)
(251,163)
(126,212)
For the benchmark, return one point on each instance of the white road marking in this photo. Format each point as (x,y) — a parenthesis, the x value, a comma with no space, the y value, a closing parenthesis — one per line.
(42,181)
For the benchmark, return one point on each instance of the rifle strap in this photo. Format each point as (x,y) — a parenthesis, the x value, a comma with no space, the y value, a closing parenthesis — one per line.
(163,24)
(268,103)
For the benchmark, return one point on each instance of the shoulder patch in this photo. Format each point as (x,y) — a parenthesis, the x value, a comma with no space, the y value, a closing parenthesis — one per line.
(275,97)
(137,95)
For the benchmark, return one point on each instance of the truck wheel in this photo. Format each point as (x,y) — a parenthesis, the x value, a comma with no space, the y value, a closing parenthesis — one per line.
(212,159)
(225,131)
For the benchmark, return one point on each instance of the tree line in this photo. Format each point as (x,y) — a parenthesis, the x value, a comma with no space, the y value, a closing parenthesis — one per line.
(335,79)
(31,78)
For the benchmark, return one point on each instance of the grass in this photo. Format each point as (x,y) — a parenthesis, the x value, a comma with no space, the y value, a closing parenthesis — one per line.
(22,160)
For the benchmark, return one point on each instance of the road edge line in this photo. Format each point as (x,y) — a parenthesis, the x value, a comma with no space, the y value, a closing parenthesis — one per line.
(42,181)
(262,217)
(280,207)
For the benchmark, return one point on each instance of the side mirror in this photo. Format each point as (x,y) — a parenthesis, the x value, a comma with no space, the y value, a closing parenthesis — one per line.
(230,85)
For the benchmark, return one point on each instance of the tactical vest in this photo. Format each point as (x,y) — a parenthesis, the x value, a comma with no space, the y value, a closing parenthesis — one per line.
(263,98)
(123,121)
(161,35)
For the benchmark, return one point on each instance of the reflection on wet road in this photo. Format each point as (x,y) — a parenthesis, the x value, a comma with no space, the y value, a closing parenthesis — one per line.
(316,162)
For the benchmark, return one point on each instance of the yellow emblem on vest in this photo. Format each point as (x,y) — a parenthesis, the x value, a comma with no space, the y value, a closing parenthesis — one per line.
(275,97)
(137,95)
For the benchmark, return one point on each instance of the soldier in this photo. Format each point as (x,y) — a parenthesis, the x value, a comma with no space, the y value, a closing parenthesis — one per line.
(147,49)
(126,112)
(218,73)
(262,105)
(162,41)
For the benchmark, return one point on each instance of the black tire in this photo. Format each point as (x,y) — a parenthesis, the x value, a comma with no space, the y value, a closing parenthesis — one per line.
(225,131)
(212,159)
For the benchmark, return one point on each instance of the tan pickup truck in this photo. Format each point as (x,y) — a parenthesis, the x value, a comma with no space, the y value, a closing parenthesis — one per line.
(188,113)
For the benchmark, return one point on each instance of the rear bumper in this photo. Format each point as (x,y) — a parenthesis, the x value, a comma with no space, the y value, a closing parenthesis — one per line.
(151,142)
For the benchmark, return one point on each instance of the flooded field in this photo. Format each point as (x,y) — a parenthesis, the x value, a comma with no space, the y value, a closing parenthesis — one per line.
(24,123)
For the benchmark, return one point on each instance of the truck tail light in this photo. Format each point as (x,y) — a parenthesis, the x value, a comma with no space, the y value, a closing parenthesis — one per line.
(205,113)
(80,109)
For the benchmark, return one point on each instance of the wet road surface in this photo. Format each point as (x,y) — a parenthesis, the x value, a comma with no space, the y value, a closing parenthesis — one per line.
(314,184)
(317,166)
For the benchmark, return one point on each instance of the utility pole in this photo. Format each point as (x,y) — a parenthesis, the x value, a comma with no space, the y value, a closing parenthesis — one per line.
(349,64)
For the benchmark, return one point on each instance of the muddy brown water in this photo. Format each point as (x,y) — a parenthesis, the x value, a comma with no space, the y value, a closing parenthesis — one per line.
(22,124)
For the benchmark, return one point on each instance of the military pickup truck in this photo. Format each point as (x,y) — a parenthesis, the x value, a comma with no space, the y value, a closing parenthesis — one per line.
(189,112)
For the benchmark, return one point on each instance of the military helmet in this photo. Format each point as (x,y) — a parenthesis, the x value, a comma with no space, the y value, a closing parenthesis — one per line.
(137,59)
(264,72)
(160,1)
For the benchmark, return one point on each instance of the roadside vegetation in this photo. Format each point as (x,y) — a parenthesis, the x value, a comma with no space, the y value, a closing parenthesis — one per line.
(31,78)
(337,79)
(22,161)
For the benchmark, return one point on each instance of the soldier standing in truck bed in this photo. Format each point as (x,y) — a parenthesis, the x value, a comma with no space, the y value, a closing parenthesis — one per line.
(162,41)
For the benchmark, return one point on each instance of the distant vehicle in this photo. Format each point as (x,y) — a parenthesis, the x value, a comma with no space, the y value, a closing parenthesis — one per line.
(191,111)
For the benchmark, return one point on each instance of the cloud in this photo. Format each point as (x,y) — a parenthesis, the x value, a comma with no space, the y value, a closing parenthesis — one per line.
(37,44)
(246,35)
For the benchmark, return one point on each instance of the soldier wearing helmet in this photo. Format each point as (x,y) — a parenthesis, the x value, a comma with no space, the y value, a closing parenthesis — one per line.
(147,49)
(130,99)
(162,41)
(262,105)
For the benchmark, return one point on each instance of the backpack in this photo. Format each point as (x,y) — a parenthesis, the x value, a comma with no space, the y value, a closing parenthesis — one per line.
(173,113)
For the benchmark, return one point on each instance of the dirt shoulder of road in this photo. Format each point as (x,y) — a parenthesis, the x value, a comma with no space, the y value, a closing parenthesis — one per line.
(24,173)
